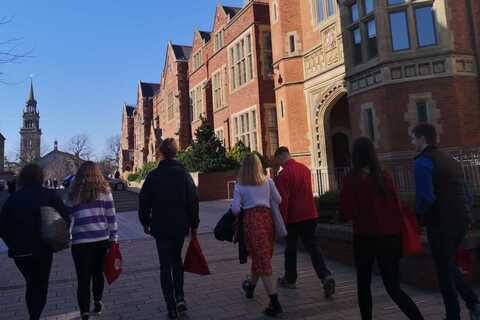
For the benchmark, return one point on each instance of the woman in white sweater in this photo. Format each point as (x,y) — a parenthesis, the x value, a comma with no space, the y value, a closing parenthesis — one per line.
(254,193)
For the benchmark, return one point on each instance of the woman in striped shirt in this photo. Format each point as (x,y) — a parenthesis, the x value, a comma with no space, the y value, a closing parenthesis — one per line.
(94,228)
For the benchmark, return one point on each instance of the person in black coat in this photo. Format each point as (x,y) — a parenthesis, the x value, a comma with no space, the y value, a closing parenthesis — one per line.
(168,211)
(20,228)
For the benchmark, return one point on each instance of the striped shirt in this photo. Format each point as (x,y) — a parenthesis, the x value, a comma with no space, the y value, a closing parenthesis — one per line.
(94,221)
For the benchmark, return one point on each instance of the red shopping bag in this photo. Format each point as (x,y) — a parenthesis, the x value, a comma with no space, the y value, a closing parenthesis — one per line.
(113,263)
(463,260)
(195,261)
(412,243)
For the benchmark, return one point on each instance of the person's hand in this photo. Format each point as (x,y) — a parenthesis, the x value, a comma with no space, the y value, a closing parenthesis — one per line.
(147,230)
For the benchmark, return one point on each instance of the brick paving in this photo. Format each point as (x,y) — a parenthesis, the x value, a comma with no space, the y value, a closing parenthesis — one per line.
(137,294)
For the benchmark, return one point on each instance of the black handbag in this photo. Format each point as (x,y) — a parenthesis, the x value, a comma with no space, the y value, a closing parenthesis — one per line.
(225,228)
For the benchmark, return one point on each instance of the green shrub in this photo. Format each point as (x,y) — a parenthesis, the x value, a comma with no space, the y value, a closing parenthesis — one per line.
(143,173)
(132,177)
(207,153)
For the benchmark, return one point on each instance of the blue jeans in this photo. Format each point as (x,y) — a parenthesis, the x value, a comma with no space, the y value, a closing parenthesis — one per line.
(444,245)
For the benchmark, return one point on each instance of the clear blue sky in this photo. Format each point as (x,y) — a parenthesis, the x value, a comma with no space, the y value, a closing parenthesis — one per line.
(89,56)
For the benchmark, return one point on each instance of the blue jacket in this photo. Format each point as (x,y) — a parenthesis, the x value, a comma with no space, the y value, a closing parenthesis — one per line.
(441,194)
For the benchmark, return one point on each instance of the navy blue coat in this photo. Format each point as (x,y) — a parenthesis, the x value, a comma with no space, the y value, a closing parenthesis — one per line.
(20,221)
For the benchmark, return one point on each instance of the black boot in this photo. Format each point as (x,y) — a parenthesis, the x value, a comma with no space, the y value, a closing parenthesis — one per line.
(274,308)
(249,289)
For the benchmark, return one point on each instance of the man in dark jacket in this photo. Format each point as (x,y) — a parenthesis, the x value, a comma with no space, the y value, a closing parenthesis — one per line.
(299,212)
(168,211)
(441,203)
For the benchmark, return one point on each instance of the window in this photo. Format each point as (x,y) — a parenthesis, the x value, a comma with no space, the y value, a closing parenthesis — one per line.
(291,41)
(369,123)
(399,31)
(363,31)
(272,129)
(267,54)
(393,2)
(330,8)
(220,133)
(282,109)
(196,103)
(320,13)
(422,112)
(197,60)
(275,12)
(372,39)
(267,40)
(245,129)
(219,40)
(171,109)
(354,13)
(425,21)
(241,61)
(217,91)
(368,6)
(357,46)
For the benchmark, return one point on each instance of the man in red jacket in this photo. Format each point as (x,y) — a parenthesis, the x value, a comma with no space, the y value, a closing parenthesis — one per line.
(298,209)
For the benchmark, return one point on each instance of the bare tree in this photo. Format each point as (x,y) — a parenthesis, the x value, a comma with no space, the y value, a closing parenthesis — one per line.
(113,148)
(10,50)
(79,145)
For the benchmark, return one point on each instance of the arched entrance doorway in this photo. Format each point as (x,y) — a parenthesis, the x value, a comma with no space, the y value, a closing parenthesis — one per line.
(332,139)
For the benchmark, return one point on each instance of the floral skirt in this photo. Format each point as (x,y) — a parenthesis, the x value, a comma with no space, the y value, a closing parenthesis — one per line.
(259,239)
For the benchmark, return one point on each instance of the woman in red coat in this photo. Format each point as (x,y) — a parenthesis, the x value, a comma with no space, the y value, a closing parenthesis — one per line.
(370,200)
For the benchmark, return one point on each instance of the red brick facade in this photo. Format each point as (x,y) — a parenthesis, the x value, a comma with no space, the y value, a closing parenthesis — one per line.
(288,72)
(171,102)
(230,79)
(127,139)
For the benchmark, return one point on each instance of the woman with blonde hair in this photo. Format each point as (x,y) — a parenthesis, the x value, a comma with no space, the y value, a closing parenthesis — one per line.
(254,193)
(94,228)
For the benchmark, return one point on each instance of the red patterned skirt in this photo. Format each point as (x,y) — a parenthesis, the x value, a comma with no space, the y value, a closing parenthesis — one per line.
(259,238)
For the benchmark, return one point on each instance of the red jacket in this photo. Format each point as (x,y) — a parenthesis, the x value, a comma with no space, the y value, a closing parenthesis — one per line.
(371,213)
(294,183)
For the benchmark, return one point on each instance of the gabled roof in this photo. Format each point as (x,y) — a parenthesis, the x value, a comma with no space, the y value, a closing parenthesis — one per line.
(129,109)
(231,11)
(2,137)
(205,35)
(149,89)
(182,52)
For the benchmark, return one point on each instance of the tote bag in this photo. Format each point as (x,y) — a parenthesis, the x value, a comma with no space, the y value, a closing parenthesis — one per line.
(54,230)
(113,263)
(195,261)
(412,243)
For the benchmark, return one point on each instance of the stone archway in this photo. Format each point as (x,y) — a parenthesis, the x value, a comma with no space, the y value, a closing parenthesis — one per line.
(323,152)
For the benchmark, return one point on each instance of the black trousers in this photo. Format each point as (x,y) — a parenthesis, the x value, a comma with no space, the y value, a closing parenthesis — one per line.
(304,230)
(387,251)
(171,270)
(36,271)
(89,259)
(444,245)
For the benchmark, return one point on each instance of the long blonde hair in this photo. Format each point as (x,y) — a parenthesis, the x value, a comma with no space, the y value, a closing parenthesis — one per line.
(88,184)
(251,172)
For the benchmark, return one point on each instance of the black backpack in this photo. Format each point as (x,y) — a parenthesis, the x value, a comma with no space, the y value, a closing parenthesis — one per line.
(224,230)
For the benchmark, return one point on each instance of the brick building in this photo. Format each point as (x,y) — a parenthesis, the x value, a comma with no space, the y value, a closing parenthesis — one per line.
(2,153)
(231,79)
(404,62)
(127,139)
(144,135)
(171,102)
(410,62)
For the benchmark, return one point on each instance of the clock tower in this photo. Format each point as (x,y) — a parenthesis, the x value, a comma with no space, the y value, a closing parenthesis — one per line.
(30,132)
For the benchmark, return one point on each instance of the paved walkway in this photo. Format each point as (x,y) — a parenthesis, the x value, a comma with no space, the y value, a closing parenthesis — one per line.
(137,294)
